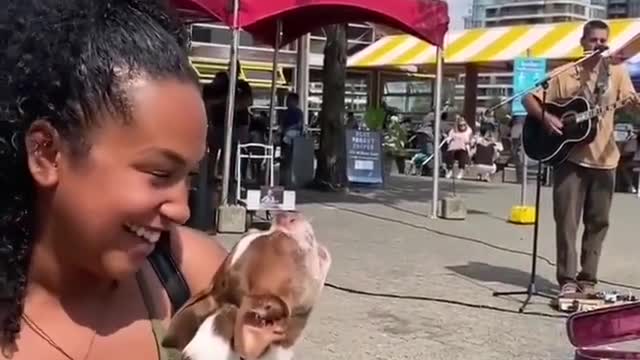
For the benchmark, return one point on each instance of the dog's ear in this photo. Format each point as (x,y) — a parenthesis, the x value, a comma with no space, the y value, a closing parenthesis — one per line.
(186,322)
(261,321)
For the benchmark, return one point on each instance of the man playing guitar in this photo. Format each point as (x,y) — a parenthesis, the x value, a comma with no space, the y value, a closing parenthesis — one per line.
(583,185)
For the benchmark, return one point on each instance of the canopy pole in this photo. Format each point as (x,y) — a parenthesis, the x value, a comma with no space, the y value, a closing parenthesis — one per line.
(274,79)
(303,77)
(230,111)
(436,135)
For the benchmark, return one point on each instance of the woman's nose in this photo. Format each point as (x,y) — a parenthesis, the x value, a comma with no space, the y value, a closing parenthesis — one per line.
(176,209)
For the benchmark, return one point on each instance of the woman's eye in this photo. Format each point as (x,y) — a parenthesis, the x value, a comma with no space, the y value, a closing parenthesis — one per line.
(160,174)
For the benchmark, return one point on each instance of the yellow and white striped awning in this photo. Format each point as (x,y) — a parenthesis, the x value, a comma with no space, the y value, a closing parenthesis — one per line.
(560,41)
(257,74)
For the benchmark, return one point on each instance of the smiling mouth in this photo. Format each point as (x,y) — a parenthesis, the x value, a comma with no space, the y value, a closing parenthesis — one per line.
(144,233)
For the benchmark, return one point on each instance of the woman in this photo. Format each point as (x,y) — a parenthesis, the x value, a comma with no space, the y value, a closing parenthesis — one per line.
(101,125)
(458,148)
(486,151)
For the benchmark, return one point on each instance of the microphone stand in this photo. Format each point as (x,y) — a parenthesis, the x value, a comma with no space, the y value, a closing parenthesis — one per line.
(531,287)
(546,80)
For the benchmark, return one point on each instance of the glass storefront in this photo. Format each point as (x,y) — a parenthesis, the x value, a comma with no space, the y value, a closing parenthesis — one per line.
(356,92)
(409,96)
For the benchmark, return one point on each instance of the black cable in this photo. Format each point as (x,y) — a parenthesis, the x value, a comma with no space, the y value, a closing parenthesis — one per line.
(469,239)
(441,301)
(449,301)
(442,233)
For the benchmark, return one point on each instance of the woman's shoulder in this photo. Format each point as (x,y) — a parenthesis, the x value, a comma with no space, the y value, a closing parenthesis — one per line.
(198,256)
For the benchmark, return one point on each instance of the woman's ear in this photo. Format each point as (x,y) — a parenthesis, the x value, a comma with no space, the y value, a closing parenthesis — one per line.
(43,145)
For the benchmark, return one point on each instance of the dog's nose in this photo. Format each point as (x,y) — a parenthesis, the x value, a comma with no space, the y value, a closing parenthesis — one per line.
(288,218)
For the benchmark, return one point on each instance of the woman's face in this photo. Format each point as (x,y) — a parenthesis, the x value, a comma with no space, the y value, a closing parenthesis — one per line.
(462,126)
(109,207)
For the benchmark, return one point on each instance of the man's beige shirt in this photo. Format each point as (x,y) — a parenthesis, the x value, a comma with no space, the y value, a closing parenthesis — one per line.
(602,152)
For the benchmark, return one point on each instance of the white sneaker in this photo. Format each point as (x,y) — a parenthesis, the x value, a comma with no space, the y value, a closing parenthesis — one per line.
(460,174)
(448,174)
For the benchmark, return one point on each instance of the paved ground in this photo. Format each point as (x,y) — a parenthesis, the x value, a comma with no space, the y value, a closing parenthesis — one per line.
(383,243)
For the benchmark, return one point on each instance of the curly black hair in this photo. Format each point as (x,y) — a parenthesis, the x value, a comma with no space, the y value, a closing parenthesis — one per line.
(66,62)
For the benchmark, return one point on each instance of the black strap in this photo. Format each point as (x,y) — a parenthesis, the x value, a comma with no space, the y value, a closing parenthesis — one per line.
(169,273)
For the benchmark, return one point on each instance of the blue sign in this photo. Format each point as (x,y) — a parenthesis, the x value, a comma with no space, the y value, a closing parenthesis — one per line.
(526,72)
(634,73)
(364,157)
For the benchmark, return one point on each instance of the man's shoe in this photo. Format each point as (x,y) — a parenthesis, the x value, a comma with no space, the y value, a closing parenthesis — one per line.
(569,290)
(587,289)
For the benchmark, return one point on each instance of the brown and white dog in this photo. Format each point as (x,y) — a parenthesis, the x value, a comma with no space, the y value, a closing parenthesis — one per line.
(259,300)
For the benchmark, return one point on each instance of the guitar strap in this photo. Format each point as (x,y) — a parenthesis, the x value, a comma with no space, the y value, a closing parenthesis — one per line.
(601,86)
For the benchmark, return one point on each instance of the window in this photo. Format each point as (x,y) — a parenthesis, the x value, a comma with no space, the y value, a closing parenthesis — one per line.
(360,33)
(356,91)
(200,34)
(218,34)
(408,95)
(316,46)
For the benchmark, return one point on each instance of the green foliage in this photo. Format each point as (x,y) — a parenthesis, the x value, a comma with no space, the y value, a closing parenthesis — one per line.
(395,139)
(625,116)
(374,118)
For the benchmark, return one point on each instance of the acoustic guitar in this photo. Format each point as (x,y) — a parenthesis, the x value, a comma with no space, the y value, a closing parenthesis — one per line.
(579,121)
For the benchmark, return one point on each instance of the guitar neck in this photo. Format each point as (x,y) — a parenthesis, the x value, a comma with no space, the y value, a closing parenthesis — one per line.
(599,110)
(603,109)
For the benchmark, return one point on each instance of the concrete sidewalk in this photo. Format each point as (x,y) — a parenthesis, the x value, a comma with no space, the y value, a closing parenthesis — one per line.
(418,288)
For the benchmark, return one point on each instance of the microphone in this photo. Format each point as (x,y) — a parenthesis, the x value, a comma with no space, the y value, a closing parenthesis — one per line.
(601,48)
(596,50)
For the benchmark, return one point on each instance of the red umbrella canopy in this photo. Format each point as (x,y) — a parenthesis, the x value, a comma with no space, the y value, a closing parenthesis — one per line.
(425,19)
(203,10)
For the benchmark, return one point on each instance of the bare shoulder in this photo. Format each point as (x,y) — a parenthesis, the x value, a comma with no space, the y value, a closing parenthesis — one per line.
(200,256)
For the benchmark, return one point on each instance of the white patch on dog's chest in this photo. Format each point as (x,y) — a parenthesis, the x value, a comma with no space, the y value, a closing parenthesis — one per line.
(207,344)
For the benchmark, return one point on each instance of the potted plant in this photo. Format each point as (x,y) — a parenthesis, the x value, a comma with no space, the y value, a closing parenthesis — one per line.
(394,142)
(374,118)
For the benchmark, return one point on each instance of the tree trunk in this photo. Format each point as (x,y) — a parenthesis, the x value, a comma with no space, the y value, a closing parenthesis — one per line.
(331,170)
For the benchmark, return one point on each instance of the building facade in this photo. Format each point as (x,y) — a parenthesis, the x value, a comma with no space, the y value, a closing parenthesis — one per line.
(210,54)
(617,9)
(409,94)
(493,87)
(488,13)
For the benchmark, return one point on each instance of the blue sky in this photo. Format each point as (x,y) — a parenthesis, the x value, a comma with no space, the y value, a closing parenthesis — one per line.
(457,10)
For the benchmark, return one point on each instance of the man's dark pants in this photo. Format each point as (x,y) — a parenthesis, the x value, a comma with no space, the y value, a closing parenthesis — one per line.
(581,192)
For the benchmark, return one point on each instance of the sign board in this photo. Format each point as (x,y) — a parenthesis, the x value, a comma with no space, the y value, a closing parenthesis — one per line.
(634,73)
(526,72)
(364,157)
(271,198)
